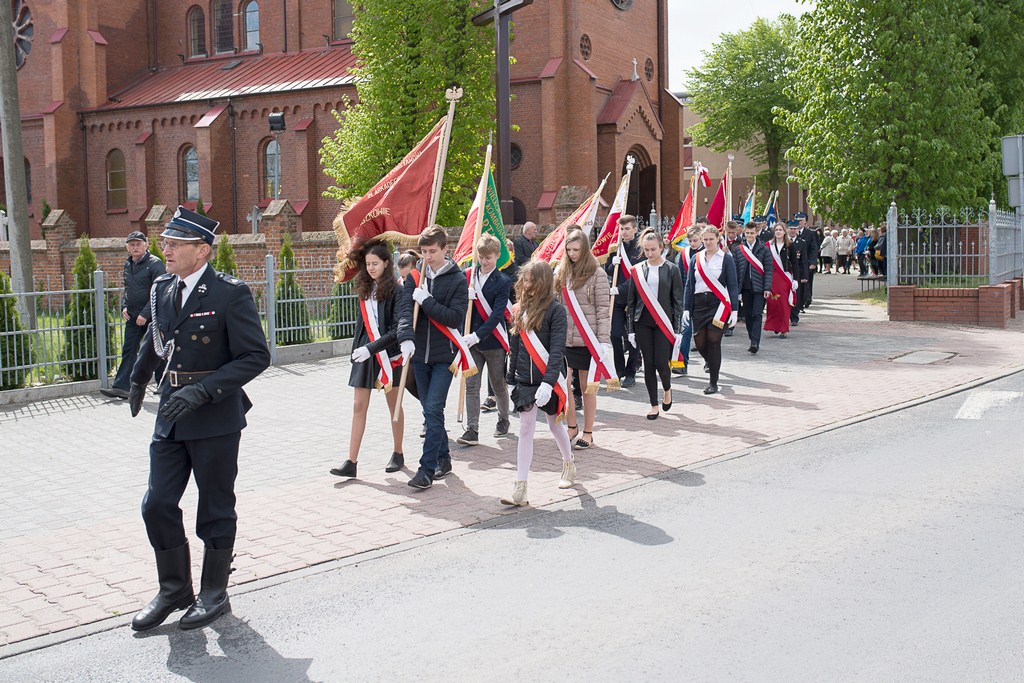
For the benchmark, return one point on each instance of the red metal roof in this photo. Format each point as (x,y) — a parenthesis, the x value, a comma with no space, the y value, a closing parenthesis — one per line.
(208,79)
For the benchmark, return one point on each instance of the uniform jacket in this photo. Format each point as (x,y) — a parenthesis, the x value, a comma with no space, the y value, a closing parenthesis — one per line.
(595,302)
(217,330)
(636,254)
(138,278)
(727,278)
(521,369)
(496,292)
(388,313)
(758,282)
(813,245)
(670,296)
(803,261)
(789,260)
(447,305)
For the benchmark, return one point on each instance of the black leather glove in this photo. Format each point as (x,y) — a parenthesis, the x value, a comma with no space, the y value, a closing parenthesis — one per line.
(135,396)
(184,401)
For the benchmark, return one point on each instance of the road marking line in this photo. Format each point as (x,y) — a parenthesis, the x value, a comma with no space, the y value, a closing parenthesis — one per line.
(979,402)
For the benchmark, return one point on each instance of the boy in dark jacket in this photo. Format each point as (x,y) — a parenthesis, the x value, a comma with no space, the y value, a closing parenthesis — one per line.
(442,298)
(755,285)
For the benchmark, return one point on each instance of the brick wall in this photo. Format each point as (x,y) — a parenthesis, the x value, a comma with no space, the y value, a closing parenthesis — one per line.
(987,306)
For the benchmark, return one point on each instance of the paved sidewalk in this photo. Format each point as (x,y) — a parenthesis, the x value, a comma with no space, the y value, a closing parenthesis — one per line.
(73,549)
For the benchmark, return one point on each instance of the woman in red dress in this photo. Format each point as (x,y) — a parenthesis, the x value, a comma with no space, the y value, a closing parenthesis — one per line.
(783,282)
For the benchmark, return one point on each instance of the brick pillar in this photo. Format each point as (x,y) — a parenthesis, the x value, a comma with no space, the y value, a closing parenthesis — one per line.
(1018,285)
(901,302)
(993,305)
(279,219)
(156,219)
(58,230)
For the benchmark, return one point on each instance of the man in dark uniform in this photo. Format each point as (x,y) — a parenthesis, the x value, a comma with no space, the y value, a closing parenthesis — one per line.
(755,286)
(205,325)
(141,269)
(803,249)
(813,247)
(625,354)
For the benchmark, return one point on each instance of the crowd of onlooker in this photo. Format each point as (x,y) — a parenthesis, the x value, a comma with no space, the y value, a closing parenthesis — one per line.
(846,251)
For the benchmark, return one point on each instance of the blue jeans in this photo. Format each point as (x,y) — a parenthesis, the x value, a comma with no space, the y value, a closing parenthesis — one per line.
(433,381)
(685,346)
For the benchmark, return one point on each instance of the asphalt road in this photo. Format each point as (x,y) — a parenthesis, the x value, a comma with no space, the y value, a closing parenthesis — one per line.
(887,550)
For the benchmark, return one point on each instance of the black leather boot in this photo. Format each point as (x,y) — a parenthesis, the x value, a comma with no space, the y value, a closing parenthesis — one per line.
(174,572)
(396,463)
(213,593)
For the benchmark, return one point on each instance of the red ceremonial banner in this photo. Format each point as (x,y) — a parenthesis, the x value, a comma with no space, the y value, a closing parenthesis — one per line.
(716,214)
(608,240)
(553,246)
(396,208)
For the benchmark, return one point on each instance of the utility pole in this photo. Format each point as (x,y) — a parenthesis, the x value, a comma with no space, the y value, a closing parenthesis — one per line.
(14,170)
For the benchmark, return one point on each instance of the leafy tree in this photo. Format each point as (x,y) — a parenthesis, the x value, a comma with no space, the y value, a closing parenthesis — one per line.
(225,259)
(15,344)
(892,108)
(155,250)
(200,209)
(290,311)
(744,77)
(80,321)
(409,53)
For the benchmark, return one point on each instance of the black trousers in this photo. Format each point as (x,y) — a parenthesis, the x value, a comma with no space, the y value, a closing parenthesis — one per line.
(752,312)
(625,355)
(129,352)
(656,351)
(214,462)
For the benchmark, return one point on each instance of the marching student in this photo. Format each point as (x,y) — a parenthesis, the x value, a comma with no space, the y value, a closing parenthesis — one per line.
(784,282)
(375,352)
(434,345)
(654,314)
(406,263)
(536,372)
(711,301)
(802,266)
(629,253)
(754,273)
(582,287)
(488,340)
(683,259)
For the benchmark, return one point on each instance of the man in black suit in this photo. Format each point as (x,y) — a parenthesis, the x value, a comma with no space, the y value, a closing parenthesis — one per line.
(525,244)
(813,247)
(754,270)
(205,325)
(802,248)
(629,244)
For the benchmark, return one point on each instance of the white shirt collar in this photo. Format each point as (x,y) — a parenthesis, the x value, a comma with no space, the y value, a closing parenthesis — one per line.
(190,282)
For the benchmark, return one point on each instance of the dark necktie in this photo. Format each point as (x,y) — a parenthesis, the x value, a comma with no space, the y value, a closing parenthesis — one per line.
(179,296)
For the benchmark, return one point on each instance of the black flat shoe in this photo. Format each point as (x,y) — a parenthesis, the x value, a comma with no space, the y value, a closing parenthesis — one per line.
(666,406)
(752,349)
(652,416)
(346,470)
(711,389)
(396,463)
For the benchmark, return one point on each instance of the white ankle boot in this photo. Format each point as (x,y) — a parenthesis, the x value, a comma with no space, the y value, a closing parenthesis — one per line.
(518,497)
(568,474)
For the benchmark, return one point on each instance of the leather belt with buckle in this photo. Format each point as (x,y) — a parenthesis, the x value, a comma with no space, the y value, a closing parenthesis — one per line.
(178,378)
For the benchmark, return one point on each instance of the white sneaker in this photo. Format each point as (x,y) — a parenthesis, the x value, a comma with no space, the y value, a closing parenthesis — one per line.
(518,497)
(568,474)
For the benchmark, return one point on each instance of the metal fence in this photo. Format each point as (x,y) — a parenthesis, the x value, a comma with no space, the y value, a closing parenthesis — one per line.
(946,248)
(299,304)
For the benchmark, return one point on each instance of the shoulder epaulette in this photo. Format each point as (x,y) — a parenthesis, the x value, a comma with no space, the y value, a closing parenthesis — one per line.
(164,277)
(230,279)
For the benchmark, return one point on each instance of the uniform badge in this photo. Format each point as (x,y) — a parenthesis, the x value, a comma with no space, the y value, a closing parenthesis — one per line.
(202,289)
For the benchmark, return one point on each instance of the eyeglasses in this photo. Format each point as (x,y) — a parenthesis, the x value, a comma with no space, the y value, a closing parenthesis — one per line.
(173,246)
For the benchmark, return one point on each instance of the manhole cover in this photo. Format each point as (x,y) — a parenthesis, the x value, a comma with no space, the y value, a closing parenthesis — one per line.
(923,357)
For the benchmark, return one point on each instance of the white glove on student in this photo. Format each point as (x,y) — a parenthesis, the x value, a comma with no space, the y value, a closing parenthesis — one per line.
(733,317)
(543,394)
(679,339)
(471,340)
(472,293)
(360,355)
(632,339)
(613,291)
(408,348)
(606,352)
(420,295)
(686,318)
(616,260)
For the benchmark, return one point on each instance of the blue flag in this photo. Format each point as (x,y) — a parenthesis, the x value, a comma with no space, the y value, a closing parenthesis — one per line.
(769,213)
(748,209)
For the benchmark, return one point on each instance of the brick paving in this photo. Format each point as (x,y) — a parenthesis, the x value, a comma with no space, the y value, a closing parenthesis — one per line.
(73,549)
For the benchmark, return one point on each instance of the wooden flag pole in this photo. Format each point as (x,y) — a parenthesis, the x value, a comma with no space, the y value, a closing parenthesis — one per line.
(452,95)
(481,194)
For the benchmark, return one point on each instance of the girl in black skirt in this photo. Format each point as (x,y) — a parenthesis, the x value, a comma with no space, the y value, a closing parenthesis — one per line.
(702,305)
(538,316)
(378,290)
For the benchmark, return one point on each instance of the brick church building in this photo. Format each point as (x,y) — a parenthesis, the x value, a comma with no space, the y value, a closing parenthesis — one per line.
(130,103)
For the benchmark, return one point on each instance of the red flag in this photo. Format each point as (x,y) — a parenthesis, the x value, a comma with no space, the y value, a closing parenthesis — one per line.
(396,208)
(608,240)
(553,246)
(683,221)
(716,214)
(700,171)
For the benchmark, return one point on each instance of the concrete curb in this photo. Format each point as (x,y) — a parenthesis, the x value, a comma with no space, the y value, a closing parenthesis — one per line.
(111,623)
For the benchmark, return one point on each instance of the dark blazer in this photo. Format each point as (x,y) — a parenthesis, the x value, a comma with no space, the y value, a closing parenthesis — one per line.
(524,249)
(670,296)
(802,260)
(138,278)
(495,292)
(758,282)
(813,245)
(727,278)
(388,313)
(788,256)
(218,330)
(447,305)
(636,255)
(521,369)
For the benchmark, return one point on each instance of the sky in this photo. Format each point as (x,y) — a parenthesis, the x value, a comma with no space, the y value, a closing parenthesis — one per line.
(694,26)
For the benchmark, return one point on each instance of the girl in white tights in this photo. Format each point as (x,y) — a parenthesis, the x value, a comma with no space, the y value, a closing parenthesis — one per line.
(539,328)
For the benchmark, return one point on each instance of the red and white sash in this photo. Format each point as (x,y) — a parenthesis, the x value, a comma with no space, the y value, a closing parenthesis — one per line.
(510,311)
(660,317)
(484,309)
(386,374)
(793,284)
(751,259)
(624,262)
(598,369)
(539,356)
(686,260)
(718,289)
(463,358)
